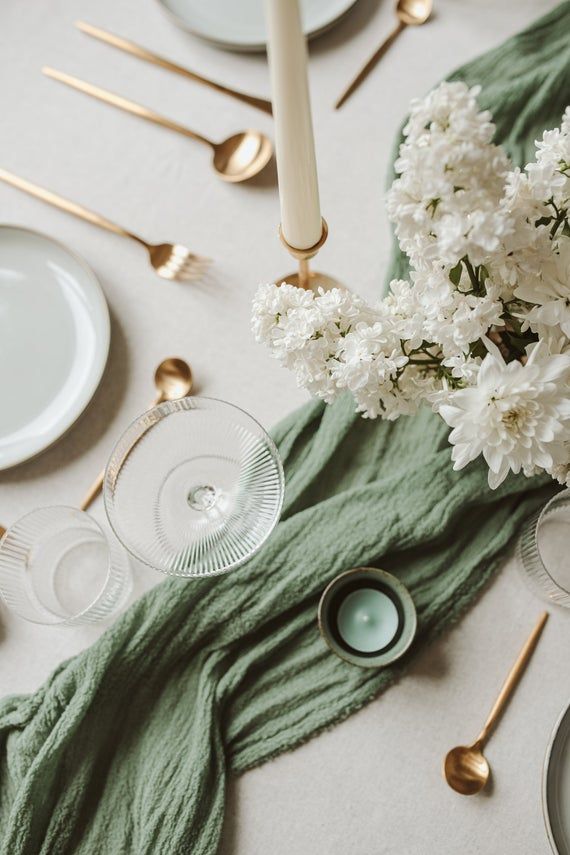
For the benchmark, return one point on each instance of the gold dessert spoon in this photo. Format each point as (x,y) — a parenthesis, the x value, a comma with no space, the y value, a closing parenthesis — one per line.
(237,158)
(465,768)
(173,379)
(170,260)
(410,13)
(143,53)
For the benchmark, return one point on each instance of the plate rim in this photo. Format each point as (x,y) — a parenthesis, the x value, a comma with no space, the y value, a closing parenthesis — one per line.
(99,363)
(248,47)
(545,770)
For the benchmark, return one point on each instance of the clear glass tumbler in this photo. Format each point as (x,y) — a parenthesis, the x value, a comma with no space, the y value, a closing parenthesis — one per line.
(194,487)
(543,548)
(57,567)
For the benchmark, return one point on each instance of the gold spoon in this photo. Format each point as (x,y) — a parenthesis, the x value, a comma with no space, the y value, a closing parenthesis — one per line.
(173,380)
(237,158)
(148,55)
(465,768)
(410,13)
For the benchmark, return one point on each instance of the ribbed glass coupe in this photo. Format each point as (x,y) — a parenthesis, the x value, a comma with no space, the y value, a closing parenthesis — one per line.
(194,487)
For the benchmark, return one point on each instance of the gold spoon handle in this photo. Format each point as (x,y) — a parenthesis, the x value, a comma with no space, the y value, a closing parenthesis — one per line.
(2,531)
(143,53)
(65,204)
(512,680)
(124,104)
(93,491)
(370,64)
(97,484)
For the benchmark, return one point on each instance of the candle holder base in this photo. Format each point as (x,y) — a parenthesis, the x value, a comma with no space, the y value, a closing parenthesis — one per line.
(316,280)
(304,277)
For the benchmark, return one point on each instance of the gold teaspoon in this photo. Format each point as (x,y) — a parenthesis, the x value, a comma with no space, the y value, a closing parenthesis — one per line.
(465,768)
(410,13)
(237,158)
(173,379)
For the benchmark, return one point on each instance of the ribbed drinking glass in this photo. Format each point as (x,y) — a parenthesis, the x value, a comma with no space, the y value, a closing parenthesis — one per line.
(194,487)
(57,567)
(543,548)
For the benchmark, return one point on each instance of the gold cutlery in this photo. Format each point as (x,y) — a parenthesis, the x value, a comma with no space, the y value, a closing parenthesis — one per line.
(170,261)
(173,379)
(465,768)
(143,53)
(237,158)
(410,13)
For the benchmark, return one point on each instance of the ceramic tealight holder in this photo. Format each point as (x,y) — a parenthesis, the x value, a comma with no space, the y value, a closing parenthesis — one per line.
(367,617)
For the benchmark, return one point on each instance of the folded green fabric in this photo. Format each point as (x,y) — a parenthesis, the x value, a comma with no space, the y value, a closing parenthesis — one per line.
(127,746)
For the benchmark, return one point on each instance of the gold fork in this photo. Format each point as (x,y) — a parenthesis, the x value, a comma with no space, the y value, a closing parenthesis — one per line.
(170,261)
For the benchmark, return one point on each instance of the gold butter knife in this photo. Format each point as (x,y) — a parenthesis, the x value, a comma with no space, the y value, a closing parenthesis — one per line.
(143,53)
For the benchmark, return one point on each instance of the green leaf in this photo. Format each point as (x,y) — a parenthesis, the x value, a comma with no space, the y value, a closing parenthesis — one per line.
(455,274)
(478,349)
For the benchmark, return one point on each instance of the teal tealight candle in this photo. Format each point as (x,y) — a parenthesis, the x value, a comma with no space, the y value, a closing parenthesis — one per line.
(367,620)
(367,617)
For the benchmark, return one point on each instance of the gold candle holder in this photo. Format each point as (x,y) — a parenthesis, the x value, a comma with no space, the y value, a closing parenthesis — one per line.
(304,277)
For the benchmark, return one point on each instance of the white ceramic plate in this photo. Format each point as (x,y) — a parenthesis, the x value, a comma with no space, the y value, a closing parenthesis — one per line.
(556,786)
(239,24)
(54,341)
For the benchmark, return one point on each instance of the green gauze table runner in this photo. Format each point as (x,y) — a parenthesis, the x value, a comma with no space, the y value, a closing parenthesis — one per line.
(126,747)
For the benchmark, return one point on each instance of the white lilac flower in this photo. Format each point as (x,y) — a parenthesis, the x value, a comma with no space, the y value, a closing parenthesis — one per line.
(463,367)
(549,177)
(445,204)
(271,302)
(548,291)
(514,416)
(450,106)
(489,252)
(403,305)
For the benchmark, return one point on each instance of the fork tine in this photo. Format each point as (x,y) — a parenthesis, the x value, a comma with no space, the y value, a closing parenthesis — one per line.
(192,258)
(187,271)
(195,263)
(201,263)
(183,265)
(192,267)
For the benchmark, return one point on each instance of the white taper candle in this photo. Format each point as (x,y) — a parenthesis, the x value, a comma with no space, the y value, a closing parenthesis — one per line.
(294,143)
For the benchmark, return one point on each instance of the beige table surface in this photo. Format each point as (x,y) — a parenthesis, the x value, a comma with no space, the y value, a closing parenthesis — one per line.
(373,784)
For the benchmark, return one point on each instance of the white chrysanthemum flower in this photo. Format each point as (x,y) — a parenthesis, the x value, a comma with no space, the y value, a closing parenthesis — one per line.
(514,416)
